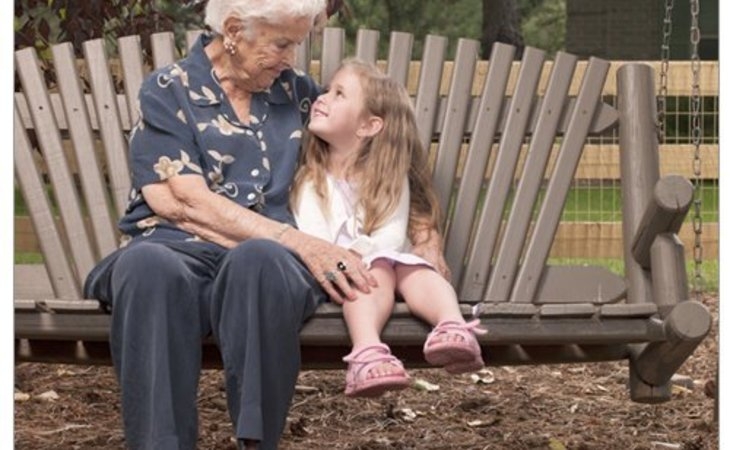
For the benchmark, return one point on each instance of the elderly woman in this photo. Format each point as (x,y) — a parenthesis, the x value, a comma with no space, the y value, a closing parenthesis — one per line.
(209,244)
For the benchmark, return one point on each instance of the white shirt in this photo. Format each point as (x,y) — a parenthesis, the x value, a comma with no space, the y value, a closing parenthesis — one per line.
(342,225)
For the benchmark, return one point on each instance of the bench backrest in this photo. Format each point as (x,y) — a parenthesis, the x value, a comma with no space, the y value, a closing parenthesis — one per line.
(490,151)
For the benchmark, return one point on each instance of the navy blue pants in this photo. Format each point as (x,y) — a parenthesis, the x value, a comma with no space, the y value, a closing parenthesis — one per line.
(167,296)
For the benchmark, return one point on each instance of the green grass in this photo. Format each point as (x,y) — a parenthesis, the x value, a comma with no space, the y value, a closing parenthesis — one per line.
(28,258)
(603,204)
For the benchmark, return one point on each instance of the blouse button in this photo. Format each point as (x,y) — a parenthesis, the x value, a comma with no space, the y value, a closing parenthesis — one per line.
(255,172)
(251,196)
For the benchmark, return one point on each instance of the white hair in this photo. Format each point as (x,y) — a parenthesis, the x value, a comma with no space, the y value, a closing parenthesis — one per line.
(250,11)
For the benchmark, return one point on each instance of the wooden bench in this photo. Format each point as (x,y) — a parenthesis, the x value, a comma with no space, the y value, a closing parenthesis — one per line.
(490,150)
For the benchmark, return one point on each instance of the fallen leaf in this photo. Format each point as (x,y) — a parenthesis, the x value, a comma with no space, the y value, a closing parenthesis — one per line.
(21,397)
(665,445)
(556,444)
(406,414)
(301,389)
(48,396)
(423,385)
(484,376)
(482,423)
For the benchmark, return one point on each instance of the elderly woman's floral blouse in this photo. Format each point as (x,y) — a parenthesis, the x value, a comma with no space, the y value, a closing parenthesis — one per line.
(187,126)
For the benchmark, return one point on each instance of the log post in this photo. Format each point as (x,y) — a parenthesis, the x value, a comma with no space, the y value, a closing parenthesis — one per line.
(639,150)
(664,213)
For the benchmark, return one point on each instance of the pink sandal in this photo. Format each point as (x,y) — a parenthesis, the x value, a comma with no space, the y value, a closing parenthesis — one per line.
(458,356)
(366,359)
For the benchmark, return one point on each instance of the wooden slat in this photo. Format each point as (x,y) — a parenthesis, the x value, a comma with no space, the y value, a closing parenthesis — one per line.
(366,45)
(579,284)
(55,256)
(541,144)
(190,37)
(480,149)
(130,54)
(115,144)
(399,56)
(480,258)
(92,181)
(429,78)
(49,138)
(31,281)
(303,57)
(577,310)
(163,49)
(447,156)
(628,310)
(500,310)
(547,221)
(333,52)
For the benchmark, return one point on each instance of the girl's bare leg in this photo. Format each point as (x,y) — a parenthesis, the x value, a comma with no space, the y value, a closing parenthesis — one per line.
(366,316)
(427,294)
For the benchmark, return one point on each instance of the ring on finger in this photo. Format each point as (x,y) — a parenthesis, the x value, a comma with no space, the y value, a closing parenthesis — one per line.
(330,276)
(341,266)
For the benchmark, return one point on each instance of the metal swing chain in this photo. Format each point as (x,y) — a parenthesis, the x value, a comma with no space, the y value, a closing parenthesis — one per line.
(696,137)
(664,70)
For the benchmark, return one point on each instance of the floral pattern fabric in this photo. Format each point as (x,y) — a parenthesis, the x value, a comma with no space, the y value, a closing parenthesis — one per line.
(188,126)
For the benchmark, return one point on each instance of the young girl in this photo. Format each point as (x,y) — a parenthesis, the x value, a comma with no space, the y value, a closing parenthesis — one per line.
(363,177)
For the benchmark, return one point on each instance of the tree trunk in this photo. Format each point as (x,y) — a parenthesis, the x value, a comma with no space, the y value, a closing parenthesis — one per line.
(501,23)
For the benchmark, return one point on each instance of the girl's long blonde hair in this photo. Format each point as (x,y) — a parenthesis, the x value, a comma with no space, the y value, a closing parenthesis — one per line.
(383,160)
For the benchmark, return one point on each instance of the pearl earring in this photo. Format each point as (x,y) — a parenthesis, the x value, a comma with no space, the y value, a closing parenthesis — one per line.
(229,46)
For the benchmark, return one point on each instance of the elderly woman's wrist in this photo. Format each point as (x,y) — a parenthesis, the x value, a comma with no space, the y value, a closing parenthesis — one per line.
(280,232)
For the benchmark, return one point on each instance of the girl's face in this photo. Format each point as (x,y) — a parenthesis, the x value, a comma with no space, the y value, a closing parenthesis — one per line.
(337,115)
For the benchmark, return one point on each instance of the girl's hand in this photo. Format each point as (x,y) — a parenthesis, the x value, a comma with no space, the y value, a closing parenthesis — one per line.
(340,272)
(429,247)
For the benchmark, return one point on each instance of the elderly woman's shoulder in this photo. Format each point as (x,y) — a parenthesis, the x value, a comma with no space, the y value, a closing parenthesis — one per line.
(301,83)
(175,73)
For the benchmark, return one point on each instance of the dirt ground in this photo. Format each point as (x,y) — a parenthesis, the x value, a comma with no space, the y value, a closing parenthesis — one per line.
(539,407)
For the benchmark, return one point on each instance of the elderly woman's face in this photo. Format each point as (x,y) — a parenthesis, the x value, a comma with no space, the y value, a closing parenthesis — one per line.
(270,51)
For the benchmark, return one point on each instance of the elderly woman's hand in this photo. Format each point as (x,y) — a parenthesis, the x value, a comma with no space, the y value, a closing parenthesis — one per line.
(340,272)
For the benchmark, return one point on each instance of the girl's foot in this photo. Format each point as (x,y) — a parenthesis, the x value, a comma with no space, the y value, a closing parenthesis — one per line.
(454,346)
(373,370)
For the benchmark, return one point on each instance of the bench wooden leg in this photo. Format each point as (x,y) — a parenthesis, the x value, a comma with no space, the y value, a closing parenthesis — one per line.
(653,365)
(642,392)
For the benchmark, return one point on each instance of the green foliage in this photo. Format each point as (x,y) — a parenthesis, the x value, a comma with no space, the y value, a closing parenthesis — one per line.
(42,23)
(543,25)
(543,21)
(414,16)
